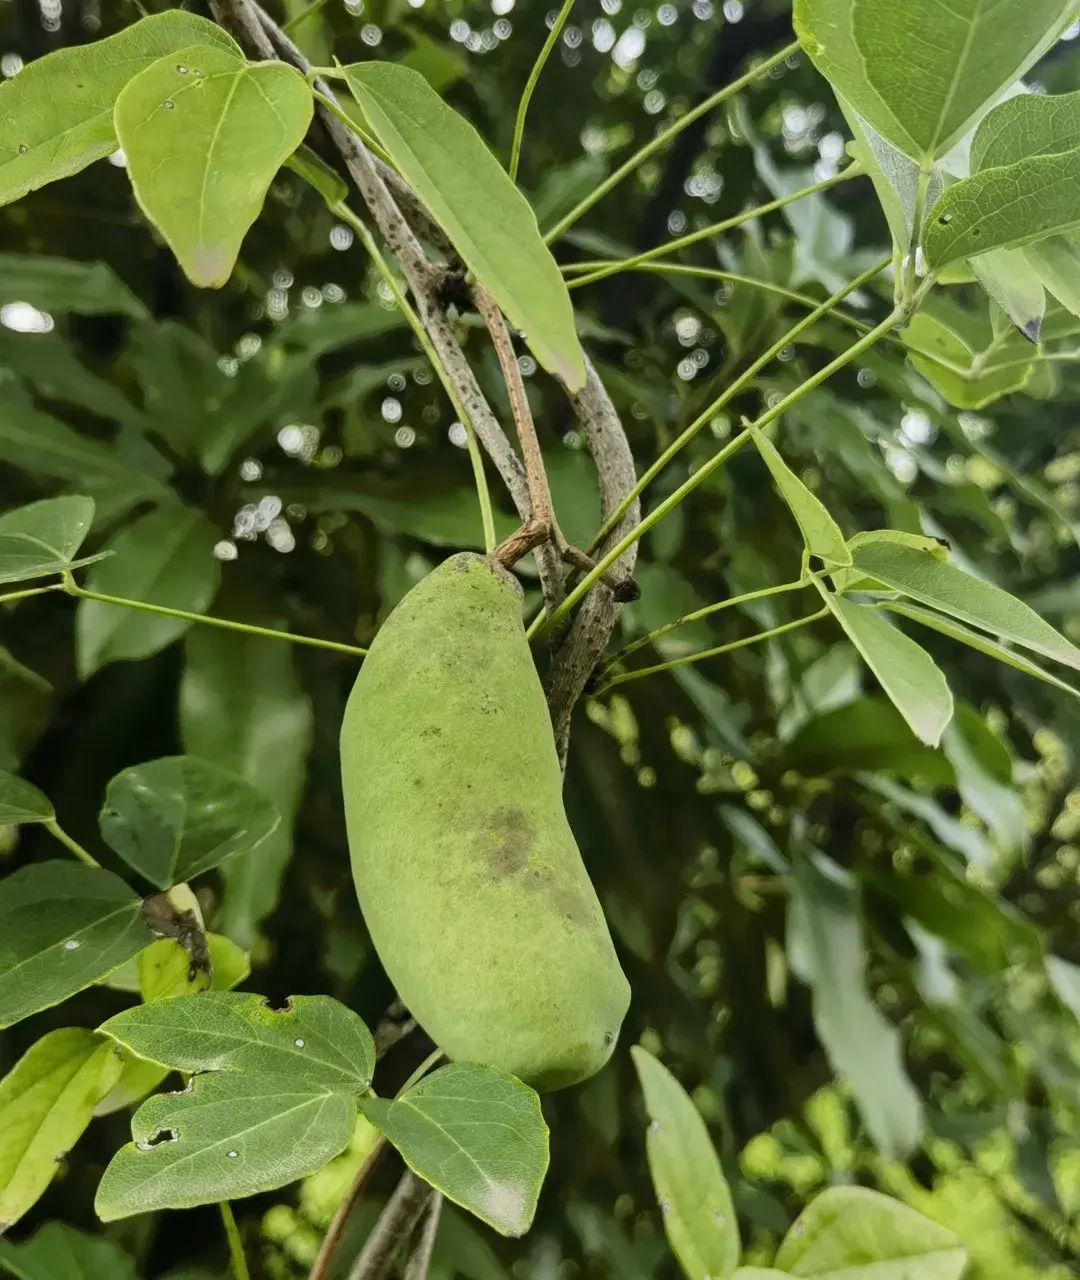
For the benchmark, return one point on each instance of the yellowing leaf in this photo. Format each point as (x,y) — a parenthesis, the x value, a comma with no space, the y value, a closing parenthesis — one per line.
(695,1200)
(204,134)
(471,197)
(56,114)
(46,1101)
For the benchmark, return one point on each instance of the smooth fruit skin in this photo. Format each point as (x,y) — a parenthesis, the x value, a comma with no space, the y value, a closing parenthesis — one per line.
(466,869)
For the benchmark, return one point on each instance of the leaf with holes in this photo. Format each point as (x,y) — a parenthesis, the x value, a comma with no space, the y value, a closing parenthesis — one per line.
(225,1137)
(63,926)
(919,72)
(175,818)
(477,1135)
(46,1100)
(863,1235)
(59,1252)
(907,673)
(314,1039)
(821,534)
(164,558)
(694,1197)
(43,537)
(56,114)
(486,217)
(22,802)
(204,134)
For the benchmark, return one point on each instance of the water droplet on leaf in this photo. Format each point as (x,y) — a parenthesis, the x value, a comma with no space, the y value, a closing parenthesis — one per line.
(182,70)
(233,1154)
(72,944)
(168,104)
(298,1042)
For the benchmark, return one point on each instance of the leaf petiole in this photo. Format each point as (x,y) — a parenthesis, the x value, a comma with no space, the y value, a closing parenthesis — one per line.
(56,830)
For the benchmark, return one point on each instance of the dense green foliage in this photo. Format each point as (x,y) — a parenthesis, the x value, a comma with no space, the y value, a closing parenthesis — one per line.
(850,924)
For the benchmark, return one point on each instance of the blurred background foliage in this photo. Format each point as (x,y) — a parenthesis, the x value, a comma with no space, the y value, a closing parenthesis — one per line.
(898,1006)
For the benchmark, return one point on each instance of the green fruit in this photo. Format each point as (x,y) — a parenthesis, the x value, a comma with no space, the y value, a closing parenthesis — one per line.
(466,869)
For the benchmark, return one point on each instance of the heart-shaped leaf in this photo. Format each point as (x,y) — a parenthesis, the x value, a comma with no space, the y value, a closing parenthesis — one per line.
(486,217)
(477,1135)
(907,673)
(225,1137)
(63,926)
(314,1039)
(56,114)
(21,801)
(46,1101)
(858,1234)
(694,1197)
(204,134)
(43,537)
(919,72)
(175,818)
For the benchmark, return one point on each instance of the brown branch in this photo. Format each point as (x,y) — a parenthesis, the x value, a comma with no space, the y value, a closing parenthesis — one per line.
(386,196)
(321,1267)
(420,1260)
(396,1223)
(577,655)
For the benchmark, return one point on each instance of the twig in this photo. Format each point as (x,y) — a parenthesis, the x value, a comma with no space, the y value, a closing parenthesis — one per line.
(541,525)
(578,654)
(396,1223)
(320,1269)
(420,1259)
(422,276)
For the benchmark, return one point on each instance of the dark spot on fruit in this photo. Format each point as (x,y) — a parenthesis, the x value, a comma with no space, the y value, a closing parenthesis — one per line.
(513,839)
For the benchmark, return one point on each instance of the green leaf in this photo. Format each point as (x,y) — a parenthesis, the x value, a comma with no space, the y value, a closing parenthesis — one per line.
(870,733)
(137,1079)
(997,803)
(306,163)
(828,953)
(942,586)
(1029,124)
(699,1219)
(163,558)
(487,219)
(918,72)
(759,1273)
(46,1100)
(242,706)
(39,444)
(895,176)
(821,534)
(1009,280)
(1056,264)
(852,1233)
(59,1252)
(175,818)
(56,114)
(42,538)
(1005,208)
(931,340)
(477,1135)
(63,926)
(51,366)
(969,842)
(974,640)
(21,801)
(906,671)
(851,580)
(61,286)
(314,1040)
(224,1138)
(1065,981)
(204,134)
